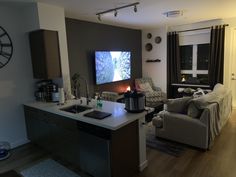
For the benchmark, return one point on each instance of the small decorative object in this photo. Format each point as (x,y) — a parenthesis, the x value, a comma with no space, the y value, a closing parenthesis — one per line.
(198,93)
(4,150)
(148,47)
(99,102)
(149,35)
(154,60)
(61,96)
(183,79)
(6,48)
(158,39)
(165,107)
(188,91)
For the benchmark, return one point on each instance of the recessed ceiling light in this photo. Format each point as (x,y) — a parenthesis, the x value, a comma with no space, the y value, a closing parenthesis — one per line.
(173,13)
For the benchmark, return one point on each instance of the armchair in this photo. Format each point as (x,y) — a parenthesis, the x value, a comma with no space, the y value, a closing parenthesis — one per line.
(154,95)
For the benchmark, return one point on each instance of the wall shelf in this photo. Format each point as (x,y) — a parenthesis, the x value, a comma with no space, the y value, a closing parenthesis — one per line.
(154,60)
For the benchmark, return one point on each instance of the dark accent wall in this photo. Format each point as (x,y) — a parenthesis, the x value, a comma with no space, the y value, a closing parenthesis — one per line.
(84,38)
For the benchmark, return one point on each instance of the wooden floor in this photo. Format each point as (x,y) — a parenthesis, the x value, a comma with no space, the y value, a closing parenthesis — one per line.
(220,161)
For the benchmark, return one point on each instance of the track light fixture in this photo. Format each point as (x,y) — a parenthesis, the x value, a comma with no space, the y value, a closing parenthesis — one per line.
(135,9)
(115,10)
(99,17)
(115,13)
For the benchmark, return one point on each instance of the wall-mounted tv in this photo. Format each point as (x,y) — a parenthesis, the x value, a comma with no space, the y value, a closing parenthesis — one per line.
(112,66)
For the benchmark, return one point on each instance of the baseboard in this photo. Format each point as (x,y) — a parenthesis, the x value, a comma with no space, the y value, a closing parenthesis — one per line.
(143,165)
(19,143)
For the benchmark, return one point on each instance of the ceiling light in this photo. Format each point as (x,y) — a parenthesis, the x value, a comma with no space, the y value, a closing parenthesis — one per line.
(135,8)
(115,13)
(99,17)
(118,8)
(173,13)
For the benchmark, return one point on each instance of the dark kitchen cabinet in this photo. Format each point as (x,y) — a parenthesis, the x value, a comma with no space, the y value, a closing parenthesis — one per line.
(96,150)
(53,133)
(45,54)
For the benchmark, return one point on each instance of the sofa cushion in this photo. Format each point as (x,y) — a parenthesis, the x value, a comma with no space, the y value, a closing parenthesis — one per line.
(157,122)
(193,111)
(145,87)
(219,88)
(178,105)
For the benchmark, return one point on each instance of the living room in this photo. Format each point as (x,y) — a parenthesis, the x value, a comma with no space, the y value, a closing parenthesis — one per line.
(80,34)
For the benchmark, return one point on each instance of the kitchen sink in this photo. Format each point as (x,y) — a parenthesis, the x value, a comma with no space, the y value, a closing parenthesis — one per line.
(75,109)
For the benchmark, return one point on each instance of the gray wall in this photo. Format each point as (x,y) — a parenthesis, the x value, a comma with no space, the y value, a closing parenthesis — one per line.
(16,78)
(86,37)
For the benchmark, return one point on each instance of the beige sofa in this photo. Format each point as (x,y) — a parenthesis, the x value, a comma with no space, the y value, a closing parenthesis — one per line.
(195,121)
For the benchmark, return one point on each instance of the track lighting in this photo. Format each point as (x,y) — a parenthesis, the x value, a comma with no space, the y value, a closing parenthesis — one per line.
(135,9)
(115,13)
(115,10)
(99,17)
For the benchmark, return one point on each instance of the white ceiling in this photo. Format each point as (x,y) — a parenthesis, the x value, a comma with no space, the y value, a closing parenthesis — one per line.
(150,12)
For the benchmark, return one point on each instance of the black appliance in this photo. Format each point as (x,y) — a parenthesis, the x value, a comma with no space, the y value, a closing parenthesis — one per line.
(45,89)
(134,101)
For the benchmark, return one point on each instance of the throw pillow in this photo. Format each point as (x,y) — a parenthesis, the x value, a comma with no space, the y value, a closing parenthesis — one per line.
(178,105)
(193,111)
(219,88)
(145,87)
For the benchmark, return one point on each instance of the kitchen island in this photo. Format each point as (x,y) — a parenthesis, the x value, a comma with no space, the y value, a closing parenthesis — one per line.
(112,147)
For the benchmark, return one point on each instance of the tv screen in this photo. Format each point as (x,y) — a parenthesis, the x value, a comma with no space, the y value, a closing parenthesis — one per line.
(112,66)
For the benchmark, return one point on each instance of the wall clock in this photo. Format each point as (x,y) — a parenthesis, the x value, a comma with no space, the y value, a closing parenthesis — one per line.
(6,48)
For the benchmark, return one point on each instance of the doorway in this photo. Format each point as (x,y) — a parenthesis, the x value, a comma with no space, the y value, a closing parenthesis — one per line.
(232,65)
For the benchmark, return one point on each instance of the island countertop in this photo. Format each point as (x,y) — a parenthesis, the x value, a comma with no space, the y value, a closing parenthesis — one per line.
(119,118)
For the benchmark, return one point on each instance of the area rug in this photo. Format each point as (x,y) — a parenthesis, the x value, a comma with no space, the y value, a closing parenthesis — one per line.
(48,168)
(169,147)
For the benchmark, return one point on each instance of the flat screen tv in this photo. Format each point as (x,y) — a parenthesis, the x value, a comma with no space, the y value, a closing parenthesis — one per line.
(112,66)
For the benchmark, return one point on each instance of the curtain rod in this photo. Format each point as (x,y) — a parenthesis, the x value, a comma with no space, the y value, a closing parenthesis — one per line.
(198,29)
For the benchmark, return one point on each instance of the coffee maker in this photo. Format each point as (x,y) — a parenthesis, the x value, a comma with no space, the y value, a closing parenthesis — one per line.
(46,90)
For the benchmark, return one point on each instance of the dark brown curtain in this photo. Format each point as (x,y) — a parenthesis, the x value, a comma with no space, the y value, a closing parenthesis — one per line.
(216,60)
(173,61)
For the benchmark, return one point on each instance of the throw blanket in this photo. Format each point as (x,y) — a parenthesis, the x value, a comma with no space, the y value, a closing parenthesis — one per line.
(217,113)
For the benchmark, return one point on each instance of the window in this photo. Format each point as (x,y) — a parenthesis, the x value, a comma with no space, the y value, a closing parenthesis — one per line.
(203,56)
(186,53)
(194,63)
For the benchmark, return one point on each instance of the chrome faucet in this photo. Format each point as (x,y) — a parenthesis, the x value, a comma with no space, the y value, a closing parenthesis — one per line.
(87,90)
(75,79)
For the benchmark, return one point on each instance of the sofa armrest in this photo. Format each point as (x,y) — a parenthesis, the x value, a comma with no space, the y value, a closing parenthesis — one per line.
(156,88)
(184,129)
(180,121)
(153,94)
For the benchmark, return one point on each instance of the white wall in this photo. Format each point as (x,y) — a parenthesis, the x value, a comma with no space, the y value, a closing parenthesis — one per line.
(16,78)
(228,45)
(17,85)
(53,18)
(156,70)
